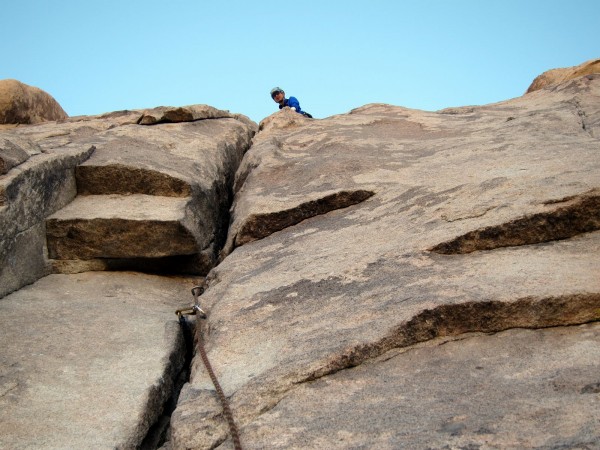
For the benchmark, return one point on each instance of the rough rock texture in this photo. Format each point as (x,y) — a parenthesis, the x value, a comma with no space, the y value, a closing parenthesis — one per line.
(194,161)
(21,103)
(556,76)
(101,364)
(29,193)
(15,151)
(88,360)
(120,226)
(391,278)
(465,220)
(517,389)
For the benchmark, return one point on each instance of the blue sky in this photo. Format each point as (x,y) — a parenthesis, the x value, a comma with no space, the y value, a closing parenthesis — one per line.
(96,57)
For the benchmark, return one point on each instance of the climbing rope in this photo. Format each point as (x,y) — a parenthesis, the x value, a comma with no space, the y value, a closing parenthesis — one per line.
(195,309)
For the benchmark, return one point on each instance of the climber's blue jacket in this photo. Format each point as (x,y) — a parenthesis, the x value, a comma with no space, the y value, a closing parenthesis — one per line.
(292,102)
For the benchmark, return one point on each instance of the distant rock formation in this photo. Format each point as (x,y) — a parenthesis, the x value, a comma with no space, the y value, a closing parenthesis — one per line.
(21,103)
(555,76)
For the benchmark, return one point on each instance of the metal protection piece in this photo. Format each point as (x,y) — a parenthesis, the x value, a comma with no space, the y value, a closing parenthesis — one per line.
(194,309)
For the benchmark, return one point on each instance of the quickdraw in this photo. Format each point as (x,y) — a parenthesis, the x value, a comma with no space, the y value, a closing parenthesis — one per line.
(194,309)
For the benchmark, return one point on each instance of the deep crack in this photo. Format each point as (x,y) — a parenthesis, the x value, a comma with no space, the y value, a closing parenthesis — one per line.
(158,433)
(582,118)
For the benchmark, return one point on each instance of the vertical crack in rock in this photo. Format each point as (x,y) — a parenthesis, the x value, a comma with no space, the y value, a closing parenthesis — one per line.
(582,118)
(580,215)
(581,114)
(259,226)
(162,402)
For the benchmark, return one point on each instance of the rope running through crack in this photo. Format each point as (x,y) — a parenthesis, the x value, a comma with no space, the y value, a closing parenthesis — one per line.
(195,309)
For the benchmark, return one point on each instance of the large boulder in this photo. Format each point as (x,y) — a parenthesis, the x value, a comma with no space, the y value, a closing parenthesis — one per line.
(555,76)
(21,103)
(149,197)
(365,250)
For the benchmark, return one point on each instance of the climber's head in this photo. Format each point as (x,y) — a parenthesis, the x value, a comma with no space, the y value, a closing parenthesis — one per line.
(277,94)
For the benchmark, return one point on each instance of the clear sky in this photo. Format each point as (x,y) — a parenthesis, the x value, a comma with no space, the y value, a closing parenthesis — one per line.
(102,56)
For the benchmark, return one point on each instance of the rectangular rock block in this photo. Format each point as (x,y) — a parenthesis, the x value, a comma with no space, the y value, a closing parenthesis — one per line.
(133,226)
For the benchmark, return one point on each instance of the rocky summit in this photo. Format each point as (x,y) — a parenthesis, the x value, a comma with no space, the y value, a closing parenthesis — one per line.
(386,278)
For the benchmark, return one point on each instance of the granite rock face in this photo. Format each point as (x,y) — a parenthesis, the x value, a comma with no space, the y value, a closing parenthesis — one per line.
(102,362)
(148,197)
(387,278)
(361,243)
(516,389)
(21,103)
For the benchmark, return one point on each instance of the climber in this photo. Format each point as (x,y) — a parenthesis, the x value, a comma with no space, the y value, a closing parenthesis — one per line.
(278,96)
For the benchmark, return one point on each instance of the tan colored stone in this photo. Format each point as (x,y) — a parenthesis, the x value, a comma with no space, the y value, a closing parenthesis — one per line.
(88,360)
(113,226)
(21,103)
(515,389)
(392,277)
(556,76)
(194,159)
(385,149)
(340,290)
(170,114)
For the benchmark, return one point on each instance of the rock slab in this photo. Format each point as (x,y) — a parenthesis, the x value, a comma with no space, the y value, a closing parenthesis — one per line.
(515,389)
(481,219)
(113,226)
(88,360)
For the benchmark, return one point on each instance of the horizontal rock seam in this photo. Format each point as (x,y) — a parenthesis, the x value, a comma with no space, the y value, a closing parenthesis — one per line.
(581,216)
(262,225)
(485,317)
